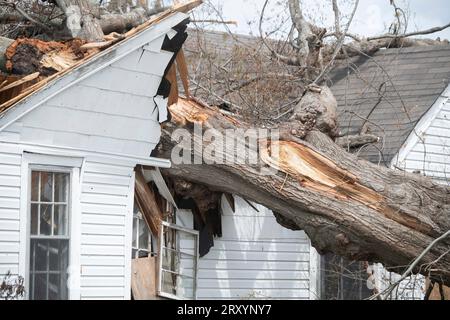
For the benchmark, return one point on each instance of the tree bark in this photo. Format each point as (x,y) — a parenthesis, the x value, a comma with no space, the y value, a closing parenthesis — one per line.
(80,20)
(347,206)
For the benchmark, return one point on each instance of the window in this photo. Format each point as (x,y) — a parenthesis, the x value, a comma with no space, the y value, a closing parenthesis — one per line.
(142,237)
(178,262)
(343,279)
(49,234)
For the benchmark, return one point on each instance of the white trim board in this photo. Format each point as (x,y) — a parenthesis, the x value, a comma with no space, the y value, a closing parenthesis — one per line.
(420,128)
(80,153)
(99,62)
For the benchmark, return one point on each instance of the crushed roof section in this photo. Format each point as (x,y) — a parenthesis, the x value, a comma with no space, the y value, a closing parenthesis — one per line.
(24,89)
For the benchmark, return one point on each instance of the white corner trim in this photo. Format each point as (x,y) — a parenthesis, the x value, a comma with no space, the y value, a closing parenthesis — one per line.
(84,71)
(23,224)
(314,274)
(420,128)
(128,238)
(75,237)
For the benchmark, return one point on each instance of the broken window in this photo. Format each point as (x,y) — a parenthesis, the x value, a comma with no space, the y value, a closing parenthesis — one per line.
(178,262)
(142,245)
(49,238)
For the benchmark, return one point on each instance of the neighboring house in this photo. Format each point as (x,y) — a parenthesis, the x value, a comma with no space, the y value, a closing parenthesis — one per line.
(400,95)
(68,152)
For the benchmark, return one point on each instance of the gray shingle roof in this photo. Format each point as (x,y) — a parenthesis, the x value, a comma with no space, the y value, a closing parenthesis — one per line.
(392,90)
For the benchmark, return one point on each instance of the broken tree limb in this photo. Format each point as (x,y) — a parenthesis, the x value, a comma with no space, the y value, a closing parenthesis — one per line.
(115,22)
(80,20)
(347,206)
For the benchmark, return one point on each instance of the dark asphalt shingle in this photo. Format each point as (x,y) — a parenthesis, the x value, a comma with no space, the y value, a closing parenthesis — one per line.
(392,90)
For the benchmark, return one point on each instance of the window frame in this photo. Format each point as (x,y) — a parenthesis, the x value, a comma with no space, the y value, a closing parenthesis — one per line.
(170,226)
(138,215)
(70,220)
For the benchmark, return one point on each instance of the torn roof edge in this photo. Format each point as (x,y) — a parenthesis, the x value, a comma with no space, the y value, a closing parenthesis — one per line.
(181,8)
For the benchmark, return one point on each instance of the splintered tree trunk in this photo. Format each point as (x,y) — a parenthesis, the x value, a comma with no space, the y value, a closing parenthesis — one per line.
(347,206)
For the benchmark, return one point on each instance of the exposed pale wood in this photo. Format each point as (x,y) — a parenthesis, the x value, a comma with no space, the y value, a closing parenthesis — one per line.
(96,45)
(183,72)
(25,79)
(143,278)
(172,78)
(146,200)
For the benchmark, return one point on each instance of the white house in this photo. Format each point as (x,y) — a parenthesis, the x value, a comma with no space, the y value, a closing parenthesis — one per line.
(67,157)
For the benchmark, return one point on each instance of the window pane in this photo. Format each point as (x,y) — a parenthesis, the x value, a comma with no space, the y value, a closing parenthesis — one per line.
(143,235)
(58,255)
(40,254)
(35,186)
(40,286)
(46,186)
(60,220)
(46,219)
(51,259)
(61,186)
(34,218)
(54,286)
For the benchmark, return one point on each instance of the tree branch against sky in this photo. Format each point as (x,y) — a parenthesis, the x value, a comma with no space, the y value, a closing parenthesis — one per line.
(372,18)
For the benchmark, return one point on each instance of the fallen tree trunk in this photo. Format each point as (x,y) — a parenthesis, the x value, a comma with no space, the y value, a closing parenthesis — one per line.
(80,20)
(347,206)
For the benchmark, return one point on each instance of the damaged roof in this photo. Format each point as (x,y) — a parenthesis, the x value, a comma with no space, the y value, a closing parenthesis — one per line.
(385,95)
(59,58)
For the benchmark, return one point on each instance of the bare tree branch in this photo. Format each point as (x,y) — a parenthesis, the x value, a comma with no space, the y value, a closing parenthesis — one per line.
(408,271)
(410,34)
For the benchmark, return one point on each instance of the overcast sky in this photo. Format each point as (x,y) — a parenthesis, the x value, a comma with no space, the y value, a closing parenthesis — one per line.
(372,17)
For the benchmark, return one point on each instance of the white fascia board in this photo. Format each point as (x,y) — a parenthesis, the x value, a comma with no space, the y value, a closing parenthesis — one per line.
(60,151)
(99,62)
(420,128)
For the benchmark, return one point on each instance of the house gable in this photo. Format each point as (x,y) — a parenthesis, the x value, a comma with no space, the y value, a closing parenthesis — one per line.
(111,104)
(427,148)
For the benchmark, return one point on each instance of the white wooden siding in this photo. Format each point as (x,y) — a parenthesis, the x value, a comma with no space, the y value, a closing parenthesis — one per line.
(255,258)
(114,110)
(106,198)
(10,162)
(106,190)
(428,148)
